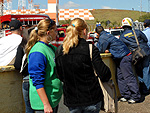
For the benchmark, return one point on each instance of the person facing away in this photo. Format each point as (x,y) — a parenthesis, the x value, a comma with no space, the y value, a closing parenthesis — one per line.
(45,88)
(10,43)
(142,68)
(82,92)
(21,65)
(147,30)
(126,79)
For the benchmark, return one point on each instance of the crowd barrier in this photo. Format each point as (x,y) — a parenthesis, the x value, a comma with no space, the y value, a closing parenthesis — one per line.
(11,99)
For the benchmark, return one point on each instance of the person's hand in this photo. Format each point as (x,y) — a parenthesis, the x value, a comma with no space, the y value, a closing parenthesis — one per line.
(106,51)
(48,108)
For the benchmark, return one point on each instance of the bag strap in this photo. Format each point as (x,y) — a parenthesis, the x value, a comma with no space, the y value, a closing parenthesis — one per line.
(90,48)
(135,36)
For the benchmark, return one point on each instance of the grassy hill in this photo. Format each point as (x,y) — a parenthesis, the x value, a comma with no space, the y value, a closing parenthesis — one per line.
(115,16)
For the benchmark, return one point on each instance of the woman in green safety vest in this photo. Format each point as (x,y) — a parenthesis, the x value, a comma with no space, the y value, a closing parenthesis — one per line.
(45,88)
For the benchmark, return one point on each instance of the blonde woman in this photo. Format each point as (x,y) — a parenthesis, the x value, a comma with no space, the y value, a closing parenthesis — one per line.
(45,88)
(82,92)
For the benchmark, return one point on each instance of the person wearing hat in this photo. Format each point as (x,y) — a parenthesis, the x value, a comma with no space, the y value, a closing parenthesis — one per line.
(9,44)
(147,30)
(142,68)
(121,55)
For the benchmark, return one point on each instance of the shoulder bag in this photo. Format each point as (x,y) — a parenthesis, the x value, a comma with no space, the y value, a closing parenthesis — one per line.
(138,53)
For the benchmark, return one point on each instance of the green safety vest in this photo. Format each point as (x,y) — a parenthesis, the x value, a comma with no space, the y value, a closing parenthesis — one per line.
(52,85)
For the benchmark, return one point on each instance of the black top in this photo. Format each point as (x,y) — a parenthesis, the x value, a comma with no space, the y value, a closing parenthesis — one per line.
(81,86)
(19,56)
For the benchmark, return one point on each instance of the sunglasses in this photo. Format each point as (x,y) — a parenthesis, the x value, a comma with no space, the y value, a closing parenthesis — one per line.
(51,24)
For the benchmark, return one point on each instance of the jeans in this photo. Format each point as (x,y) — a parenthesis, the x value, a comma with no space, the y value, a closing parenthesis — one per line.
(54,110)
(144,65)
(25,90)
(95,108)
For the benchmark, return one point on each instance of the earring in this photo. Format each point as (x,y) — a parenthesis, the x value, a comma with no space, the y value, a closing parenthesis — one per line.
(49,38)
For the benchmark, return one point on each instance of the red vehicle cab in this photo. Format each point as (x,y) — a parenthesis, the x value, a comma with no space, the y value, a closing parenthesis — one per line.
(61,34)
(25,19)
(31,20)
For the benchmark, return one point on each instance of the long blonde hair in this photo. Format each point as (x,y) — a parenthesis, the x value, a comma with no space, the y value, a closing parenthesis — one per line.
(73,31)
(42,27)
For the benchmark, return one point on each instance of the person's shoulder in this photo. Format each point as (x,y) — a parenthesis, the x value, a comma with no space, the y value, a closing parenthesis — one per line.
(17,35)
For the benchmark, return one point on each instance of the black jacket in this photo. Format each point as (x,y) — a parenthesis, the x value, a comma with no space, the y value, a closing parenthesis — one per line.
(81,86)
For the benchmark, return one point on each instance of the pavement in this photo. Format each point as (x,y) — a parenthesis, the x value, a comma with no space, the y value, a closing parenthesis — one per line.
(123,107)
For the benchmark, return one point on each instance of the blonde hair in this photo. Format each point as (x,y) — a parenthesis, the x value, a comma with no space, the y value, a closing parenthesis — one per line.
(42,27)
(73,31)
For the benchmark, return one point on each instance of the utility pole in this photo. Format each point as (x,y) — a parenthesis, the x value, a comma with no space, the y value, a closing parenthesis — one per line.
(57,23)
(141,8)
(1,11)
(30,4)
(1,7)
(148,6)
(21,4)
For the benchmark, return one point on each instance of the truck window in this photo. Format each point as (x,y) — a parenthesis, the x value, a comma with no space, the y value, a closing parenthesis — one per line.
(61,33)
(115,33)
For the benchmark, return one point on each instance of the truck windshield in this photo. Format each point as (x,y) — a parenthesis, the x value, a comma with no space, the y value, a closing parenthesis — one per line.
(116,33)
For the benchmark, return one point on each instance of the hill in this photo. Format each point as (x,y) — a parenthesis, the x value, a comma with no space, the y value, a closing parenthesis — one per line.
(115,16)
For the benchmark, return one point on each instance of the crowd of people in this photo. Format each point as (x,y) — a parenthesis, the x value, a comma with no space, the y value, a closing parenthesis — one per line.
(48,72)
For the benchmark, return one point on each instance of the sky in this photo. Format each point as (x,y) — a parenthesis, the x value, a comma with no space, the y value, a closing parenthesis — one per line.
(94,4)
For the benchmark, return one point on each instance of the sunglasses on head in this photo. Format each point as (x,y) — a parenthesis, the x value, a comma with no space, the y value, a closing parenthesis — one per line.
(51,24)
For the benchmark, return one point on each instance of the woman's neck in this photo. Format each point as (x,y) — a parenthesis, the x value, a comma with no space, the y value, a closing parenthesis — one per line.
(44,39)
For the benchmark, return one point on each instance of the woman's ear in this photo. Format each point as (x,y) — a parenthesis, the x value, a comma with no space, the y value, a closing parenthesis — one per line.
(47,32)
(85,32)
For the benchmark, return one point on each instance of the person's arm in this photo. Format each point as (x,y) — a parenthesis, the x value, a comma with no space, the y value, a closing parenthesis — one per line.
(58,65)
(19,56)
(143,36)
(101,69)
(36,68)
(42,94)
(102,45)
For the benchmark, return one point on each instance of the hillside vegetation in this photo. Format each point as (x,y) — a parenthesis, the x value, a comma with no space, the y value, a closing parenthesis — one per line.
(115,14)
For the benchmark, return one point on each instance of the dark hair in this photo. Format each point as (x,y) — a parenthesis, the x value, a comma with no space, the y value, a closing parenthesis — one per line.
(127,27)
(99,29)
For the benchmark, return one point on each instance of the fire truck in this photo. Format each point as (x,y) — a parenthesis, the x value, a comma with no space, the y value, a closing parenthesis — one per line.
(61,29)
(30,20)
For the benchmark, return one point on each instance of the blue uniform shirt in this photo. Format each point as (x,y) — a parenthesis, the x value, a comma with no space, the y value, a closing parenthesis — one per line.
(129,39)
(115,46)
(147,33)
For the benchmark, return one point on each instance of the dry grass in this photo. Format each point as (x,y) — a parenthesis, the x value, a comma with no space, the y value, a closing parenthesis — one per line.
(113,15)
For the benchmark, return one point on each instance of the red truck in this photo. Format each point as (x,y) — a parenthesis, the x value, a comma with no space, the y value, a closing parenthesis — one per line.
(61,34)
(32,20)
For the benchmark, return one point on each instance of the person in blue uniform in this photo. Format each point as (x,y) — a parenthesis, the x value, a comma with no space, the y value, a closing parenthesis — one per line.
(142,68)
(126,79)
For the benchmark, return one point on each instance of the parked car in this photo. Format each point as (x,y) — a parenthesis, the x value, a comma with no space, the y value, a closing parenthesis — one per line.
(116,32)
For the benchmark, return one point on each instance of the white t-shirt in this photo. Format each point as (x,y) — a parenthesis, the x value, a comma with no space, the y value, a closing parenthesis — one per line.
(8,48)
